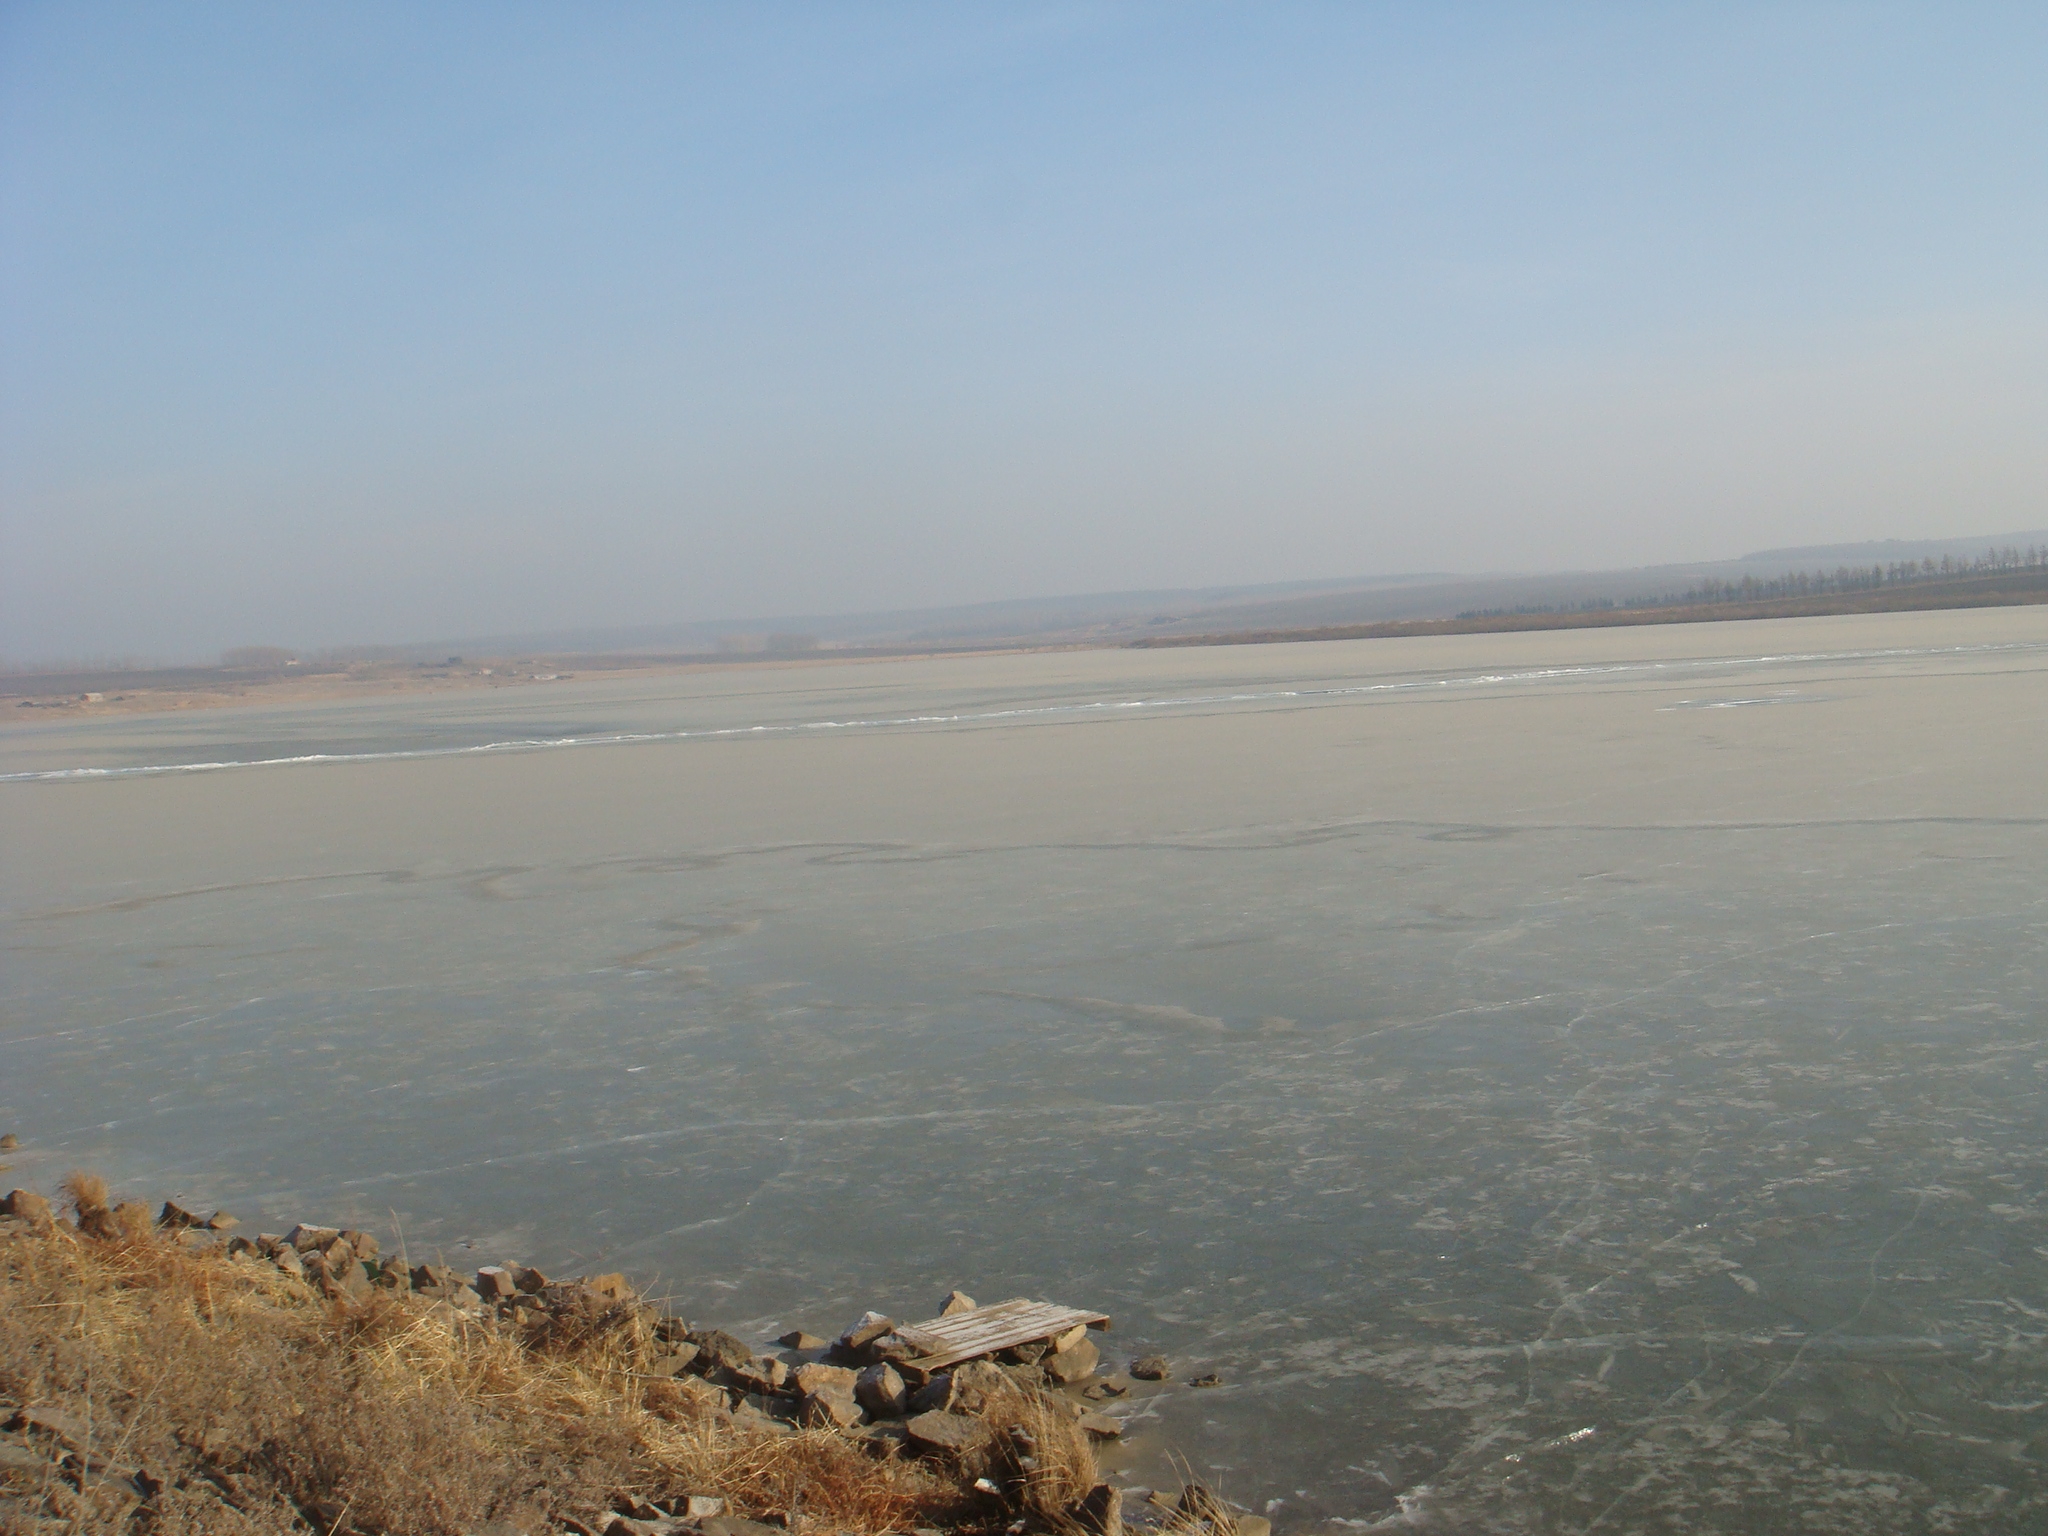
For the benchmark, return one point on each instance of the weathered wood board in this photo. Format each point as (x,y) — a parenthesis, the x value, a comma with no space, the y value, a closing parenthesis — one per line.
(948,1340)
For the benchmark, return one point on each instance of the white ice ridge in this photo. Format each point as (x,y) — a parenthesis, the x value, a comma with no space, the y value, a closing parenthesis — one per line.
(1042,711)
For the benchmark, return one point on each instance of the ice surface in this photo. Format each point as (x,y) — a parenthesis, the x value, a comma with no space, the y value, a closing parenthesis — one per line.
(1549,1099)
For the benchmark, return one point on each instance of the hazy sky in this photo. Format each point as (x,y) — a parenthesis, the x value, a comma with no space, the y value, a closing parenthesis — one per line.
(355,322)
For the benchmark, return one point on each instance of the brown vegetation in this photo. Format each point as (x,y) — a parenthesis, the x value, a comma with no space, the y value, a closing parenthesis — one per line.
(176,1388)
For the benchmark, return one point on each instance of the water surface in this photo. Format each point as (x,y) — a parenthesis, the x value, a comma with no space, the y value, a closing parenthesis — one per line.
(1568,1082)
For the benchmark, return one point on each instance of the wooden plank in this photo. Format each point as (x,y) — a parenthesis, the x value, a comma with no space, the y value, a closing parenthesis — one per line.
(949,1340)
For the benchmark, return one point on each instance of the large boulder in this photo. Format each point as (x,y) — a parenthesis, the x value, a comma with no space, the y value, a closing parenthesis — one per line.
(936,1393)
(956,1302)
(975,1385)
(831,1405)
(718,1350)
(1101,1512)
(393,1276)
(947,1434)
(29,1206)
(881,1391)
(1060,1343)
(857,1344)
(809,1378)
(764,1375)
(1071,1365)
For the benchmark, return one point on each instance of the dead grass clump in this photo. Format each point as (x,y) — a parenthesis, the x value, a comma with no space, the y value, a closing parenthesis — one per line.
(261,1408)
(1039,1455)
(84,1193)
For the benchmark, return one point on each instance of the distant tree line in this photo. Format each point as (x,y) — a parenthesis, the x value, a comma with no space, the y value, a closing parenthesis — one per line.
(1793,584)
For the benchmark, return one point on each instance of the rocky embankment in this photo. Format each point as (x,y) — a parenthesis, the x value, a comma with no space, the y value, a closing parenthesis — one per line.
(1004,1440)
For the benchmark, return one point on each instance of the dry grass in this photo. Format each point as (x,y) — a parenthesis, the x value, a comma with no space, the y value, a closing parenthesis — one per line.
(263,1408)
(1039,1454)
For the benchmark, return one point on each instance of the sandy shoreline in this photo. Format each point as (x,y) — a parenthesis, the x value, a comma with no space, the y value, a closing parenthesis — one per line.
(30,698)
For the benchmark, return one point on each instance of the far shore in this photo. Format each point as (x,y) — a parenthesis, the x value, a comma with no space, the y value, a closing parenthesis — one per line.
(37,697)
(34,697)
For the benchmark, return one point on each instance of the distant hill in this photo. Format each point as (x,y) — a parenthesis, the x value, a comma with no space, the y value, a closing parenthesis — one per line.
(1115,616)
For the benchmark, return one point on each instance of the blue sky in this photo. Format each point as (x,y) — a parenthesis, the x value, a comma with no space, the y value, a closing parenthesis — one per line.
(371,323)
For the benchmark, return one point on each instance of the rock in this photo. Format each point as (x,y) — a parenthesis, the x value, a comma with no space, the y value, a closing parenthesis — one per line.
(1108,1387)
(9,1142)
(1025,1354)
(362,1244)
(626,1525)
(303,1237)
(894,1348)
(679,1358)
(612,1287)
(700,1506)
(885,1440)
(287,1259)
(956,1301)
(1254,1525)
(1072,1365)
(946,1434)
(391,1276)
(880,1390)
(175,1216)
(750,1416)
(28,1205)
(763,1375)
(434,1277)
(977,1384)
(528,1279)
(350,1281)
(221,1221)
(1101,1512)
(1101,1425)
(732,1525)
(797,1339)
(830,1406)
(872,1326)
(1059,1344)
(1151,1368)
(809,1378)
(495,1283)
(934,1394)
(1211,1380)
(718,1350)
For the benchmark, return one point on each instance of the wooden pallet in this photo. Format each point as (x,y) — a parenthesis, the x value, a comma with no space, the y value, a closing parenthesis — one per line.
(948,1340)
